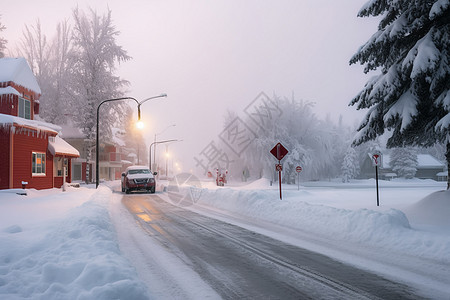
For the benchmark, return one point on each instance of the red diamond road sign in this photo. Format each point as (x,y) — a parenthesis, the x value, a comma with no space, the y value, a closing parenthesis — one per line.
(279,151)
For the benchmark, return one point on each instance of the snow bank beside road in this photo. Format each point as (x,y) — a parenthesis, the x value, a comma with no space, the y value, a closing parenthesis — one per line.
(51,257)
(433,209)
(389,229)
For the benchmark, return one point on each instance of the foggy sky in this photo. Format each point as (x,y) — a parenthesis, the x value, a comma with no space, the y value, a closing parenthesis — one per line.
(214,55)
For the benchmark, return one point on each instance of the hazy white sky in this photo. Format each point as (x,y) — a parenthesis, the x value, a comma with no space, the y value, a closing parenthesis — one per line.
(214,55)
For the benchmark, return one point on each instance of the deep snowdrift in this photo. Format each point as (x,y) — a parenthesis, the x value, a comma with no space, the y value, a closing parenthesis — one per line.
(433,209)
(389,229)
(47,253)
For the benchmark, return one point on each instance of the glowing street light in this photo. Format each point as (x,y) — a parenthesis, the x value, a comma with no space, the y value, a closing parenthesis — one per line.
(154,143)
(140,125)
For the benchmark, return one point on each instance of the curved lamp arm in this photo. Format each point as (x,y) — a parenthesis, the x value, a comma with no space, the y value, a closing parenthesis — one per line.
(145,100)
(97,175)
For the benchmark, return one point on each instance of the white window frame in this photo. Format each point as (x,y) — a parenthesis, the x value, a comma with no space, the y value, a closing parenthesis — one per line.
(38,170)
(24,108)
(66,165)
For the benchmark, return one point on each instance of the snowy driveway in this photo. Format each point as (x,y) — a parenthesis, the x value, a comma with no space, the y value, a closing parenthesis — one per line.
(181,254)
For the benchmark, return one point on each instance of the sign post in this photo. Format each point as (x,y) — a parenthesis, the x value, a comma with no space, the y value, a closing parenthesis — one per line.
(298,169)
(376,161)
(279,152)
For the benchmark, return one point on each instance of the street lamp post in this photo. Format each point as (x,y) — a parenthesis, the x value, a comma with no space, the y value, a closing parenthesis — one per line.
(97,173)
(154,149)
(150,150)
(167,159)
(140,125)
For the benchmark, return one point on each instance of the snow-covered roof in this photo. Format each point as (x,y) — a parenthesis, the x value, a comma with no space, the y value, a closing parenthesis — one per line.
(424,161)
(70,131)
(9,90)
(18,71)
(58,146)
(38,125)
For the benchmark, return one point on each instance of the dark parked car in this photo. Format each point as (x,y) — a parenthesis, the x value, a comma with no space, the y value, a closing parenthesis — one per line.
(138,178)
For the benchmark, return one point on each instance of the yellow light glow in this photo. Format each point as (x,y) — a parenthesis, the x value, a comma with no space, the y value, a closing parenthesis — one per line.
(140,125)
(144,217)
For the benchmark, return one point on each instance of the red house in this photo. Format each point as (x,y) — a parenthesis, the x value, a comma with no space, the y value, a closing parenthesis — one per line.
(32,152)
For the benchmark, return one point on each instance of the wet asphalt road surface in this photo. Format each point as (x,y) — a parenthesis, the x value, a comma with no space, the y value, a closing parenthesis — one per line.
(241,264)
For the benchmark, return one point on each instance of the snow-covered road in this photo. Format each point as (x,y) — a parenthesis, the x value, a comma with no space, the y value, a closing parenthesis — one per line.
(85,244)
(226,261)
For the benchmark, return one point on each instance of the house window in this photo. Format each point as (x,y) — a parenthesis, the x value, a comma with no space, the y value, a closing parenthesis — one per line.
(24,108)
(38,163)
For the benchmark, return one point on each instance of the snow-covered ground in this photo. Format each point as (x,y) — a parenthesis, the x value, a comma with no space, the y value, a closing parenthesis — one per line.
(63,245)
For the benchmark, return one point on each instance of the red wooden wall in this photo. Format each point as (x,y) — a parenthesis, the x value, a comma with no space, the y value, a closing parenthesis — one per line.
(4,162)
(26,141)
(9,103)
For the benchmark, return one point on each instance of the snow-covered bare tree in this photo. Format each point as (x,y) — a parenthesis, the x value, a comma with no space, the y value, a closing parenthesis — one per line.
(56,102)
(410,97)
(93,60)
(49,62)
(311,143)
(36,50)
(2,41)
(404,162)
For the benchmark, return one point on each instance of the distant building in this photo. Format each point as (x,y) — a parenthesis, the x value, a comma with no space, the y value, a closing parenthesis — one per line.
(113,158)
(33,154)
(80,165)
(428,167)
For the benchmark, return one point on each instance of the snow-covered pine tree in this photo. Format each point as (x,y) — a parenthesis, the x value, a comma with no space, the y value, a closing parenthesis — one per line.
(94,56)
(350,165)
(2,41)
(411,96)
(404,162)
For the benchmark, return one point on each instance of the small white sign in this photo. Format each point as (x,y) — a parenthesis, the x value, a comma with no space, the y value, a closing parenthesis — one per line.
(377,159)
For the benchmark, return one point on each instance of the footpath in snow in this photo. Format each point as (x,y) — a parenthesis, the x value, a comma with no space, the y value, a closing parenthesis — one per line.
(58,244)
(62,245)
